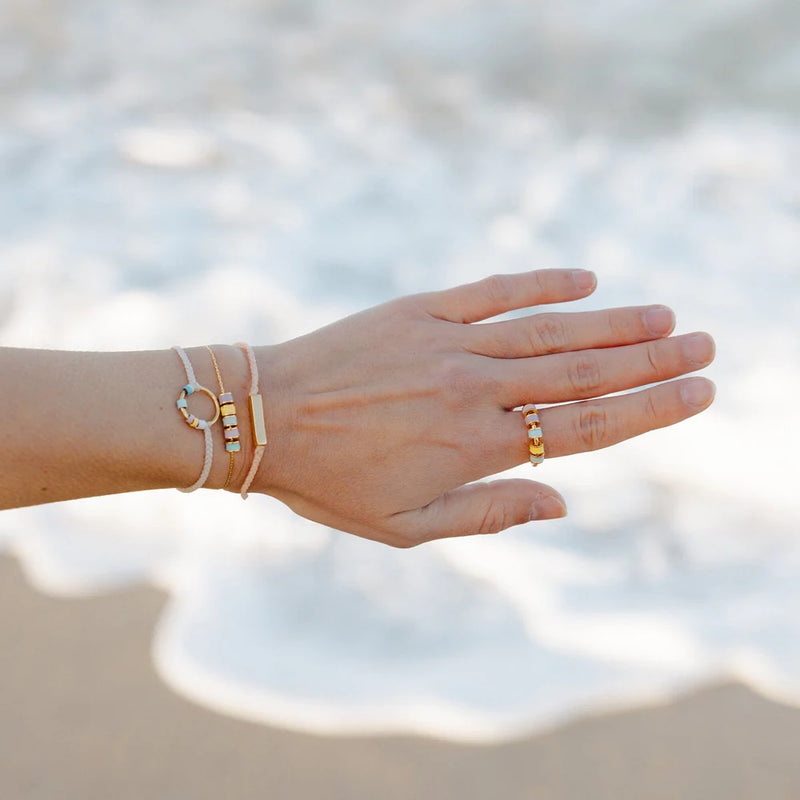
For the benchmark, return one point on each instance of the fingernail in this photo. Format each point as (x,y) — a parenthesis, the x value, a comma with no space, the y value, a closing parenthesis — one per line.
(659,320)
(699,348)
(548,508)
(698,393)
(584,279)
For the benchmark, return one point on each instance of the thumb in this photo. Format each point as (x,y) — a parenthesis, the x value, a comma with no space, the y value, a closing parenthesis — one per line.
(483,507)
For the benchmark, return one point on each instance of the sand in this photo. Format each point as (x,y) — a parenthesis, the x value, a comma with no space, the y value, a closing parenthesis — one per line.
(85,716)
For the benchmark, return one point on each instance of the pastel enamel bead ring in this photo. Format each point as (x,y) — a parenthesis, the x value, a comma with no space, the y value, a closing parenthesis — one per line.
(535,442)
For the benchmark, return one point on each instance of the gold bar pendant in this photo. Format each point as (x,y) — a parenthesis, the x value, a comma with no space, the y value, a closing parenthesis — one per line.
(257,418)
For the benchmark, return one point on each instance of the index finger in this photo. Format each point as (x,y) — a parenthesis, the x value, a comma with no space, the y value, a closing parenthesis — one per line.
(497,294)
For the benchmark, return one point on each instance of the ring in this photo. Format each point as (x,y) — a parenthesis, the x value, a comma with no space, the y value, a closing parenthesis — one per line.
(535,441)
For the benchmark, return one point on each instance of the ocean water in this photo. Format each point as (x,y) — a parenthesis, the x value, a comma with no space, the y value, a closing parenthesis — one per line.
(326,156)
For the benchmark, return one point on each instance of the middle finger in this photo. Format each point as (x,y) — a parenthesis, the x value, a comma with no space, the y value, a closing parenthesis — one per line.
(549,332)
(592,373)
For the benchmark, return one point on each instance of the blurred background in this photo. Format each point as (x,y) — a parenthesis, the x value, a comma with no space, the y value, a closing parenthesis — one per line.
(213,171)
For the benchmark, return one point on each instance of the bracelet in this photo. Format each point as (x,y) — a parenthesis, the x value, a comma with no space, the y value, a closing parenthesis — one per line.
(193,421)
(227,410)
(258,426)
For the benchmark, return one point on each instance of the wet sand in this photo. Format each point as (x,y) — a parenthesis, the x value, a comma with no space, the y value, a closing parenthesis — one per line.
(85,716)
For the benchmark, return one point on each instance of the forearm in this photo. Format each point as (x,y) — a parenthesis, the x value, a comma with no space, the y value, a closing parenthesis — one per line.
(81,424)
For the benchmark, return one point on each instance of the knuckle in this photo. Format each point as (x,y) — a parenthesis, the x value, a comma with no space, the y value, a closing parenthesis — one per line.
(405,536)
(584,375)
(591,427)
(498,289)
(548,333)
(461,383)
(619,325)
(651,411)
(411,305)
(540,279)
(405,541)
(495,518)
(653,357)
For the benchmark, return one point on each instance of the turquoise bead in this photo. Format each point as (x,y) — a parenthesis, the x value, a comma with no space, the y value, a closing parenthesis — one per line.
(233,447)
(182,402)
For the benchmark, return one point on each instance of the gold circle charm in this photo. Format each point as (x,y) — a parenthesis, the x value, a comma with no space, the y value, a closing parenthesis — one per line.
(182,404)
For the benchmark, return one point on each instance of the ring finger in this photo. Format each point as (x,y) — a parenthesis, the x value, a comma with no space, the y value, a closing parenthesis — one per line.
(594,424)
(593,373)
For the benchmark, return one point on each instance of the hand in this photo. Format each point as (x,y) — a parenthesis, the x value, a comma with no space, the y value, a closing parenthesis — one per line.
(380,422)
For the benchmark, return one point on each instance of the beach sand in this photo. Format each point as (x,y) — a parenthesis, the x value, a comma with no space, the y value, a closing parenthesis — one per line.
(85,716)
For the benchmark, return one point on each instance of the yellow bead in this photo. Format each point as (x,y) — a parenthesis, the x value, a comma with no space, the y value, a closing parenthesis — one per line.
(537,449)
(227,410)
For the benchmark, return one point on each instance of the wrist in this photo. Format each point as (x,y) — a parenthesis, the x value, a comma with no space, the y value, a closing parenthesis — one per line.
(233,373)
(237,380)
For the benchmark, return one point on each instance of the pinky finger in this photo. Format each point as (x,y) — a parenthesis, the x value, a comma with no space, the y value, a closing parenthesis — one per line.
(593,424)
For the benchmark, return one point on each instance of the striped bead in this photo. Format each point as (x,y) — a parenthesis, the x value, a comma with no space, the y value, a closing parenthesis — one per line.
(535,435)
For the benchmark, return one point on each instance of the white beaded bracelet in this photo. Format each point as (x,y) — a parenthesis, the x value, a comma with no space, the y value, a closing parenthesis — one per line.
(193,421)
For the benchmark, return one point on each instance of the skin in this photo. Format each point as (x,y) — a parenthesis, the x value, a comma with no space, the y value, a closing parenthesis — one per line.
(383,424)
